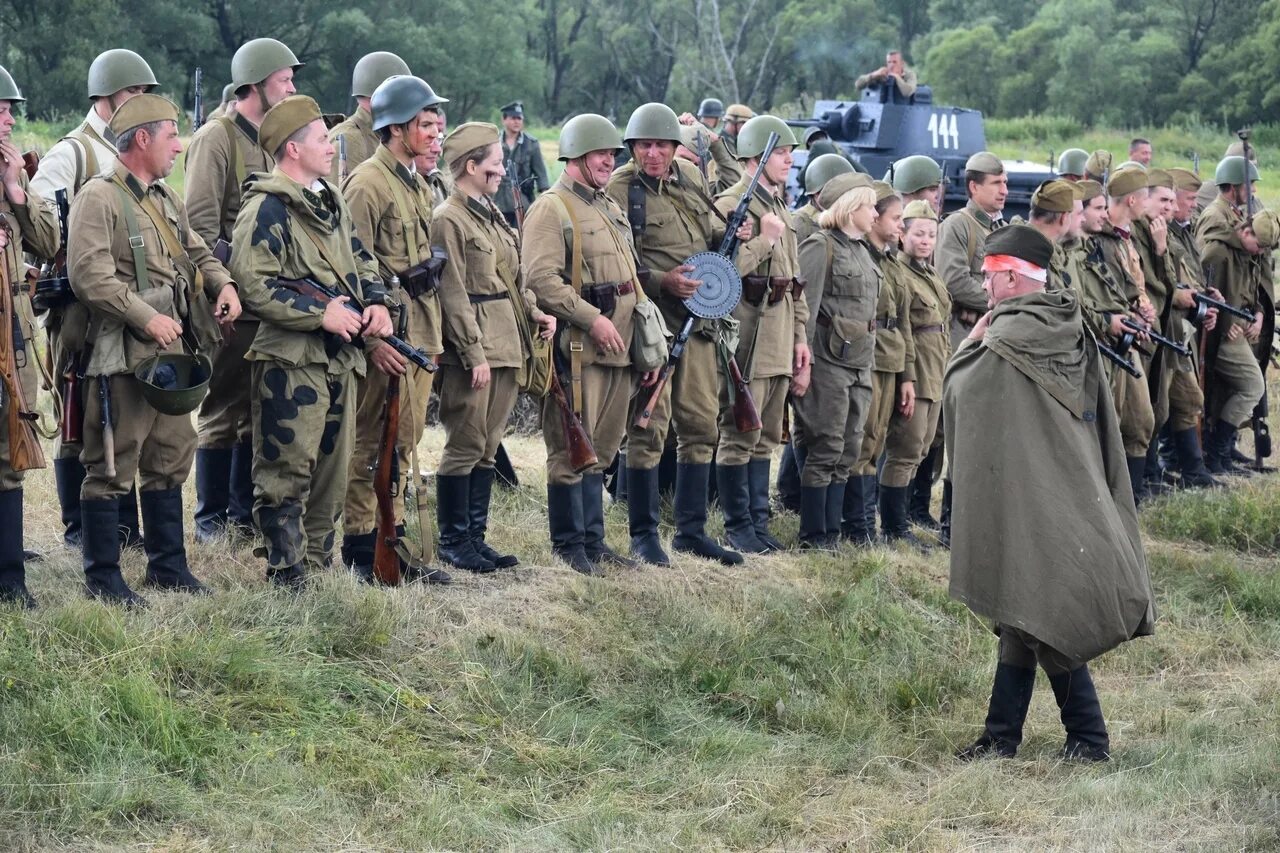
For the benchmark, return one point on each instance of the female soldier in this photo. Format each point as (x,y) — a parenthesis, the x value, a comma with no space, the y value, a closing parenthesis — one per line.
(893,383)
(844,285)
(911,435)
(487,315)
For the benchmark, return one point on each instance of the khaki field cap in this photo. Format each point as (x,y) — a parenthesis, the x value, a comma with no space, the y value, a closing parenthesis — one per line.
(1266,227)
(1125,181)
(883,190)
(841,184)
(1057,196)
(285,119)
(738,112)
(143,109)
(466,138)
(919,209)
(984,162)
(1091,190)
(1185,179)
(1099,163)
(1160,178)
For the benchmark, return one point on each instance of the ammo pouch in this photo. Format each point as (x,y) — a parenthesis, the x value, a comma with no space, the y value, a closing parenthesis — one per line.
(423,279)
(754,288)
(605,296)
(649,336)
(222,251)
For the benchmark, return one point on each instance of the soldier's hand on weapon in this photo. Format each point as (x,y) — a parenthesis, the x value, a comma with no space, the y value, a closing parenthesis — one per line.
(772,227)
(227,308)
(163,330)
(1184,298)
(387,360)
(606,336)
(1210,320)
(340,320)
(376,322)
(1160,234)
(1142,336)
(746,231)
(650,378)
(1117,327)
(547,327)
(678,284)
(907,399)
(1234,333)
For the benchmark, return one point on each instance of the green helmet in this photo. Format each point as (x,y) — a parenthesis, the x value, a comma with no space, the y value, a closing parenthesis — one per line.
(711,108)
(9,90)
(228,92)
(1232,171)
(1072,161)
(257,60)
(372,69)
(400,98)
(585,133)
(755,133)
(118,69)
(915,173)
(653,121)
(823,168)
(174,383)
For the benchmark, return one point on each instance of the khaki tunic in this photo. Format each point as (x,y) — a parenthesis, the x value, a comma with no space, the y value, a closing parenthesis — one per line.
(894,361)
(35,223)
(958,257)
(769,333)
(905,83)
(679,221)
(608,258)
(482,326)
(361,142)
(100,264)
(845,286)
(724,153)
(805,221)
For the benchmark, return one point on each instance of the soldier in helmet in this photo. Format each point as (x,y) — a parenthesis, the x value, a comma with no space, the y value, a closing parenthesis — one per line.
(1071,164)
(151,285)
(27,219)
(725,149)
(593,303)
(1209,190)
(227,107)
(114,77)
(390,213)
(294,224)
(918,177)
(222,154)
(817,172)
(523,159)
(710,111)
(355,134)
(773,349)
(671,218)
(1235,262)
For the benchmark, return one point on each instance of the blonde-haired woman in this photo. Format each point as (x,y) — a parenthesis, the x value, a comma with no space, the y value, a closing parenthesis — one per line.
(488,318)
(843,287)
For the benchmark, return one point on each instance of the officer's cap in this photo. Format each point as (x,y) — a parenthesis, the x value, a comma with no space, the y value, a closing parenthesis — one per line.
(1057,196)
(919,209)
(1020,241)
(1125,181)
(841,184)
(285,119)
(143,109)
(468,137)
(984,162)
(1184,179)
(515,109)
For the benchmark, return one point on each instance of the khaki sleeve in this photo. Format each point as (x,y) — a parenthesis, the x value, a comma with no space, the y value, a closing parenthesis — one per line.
(57,170)
(814,270)
(208,159)
(91,264)
(257,251)
(39,221)
(953,264)
(863,81)
(215,274)
(907,83)
(458,319)
(367,210)
(545,262)
(908,338)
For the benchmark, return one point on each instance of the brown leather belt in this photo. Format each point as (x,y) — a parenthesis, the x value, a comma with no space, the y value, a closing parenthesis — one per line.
(477,298)
(621,288)
(924,330)
(887,323)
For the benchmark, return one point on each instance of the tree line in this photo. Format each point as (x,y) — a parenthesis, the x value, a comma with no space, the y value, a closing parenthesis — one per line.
(1127,63)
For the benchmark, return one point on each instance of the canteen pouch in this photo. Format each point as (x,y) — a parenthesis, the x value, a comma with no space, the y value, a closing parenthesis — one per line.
(649,336)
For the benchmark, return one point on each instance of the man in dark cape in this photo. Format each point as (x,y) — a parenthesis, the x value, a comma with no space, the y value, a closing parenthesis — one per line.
(1044,538)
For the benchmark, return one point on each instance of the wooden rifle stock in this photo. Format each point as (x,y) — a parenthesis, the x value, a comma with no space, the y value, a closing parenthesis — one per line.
(30,163)
(24,446)
(386,562)
(72,424)
(582,453)
(664,375)
(746,417)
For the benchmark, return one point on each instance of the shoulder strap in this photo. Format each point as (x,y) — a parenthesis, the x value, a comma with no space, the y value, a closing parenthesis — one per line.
(402,205)
(636,208)
(86,159)
(135,237)
(575,276)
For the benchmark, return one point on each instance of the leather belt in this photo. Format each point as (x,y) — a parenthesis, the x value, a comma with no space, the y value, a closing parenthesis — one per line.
(887,323)
(477,298)
(924,330)
(622,288)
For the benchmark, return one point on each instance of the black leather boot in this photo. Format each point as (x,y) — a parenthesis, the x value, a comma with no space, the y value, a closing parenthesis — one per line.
(1186,446)
(1222,446)
(240,489)
(944,519)
(921,490)
(1137,467)
(735,504)
(130,531)
(481,486)
(453,507)
(692,480)
(1081,714)
(893,517)
(68,474)
(592,487)
(853,527)
(357,554)
(835,510)
(813,518)
(758,489)
(789,477)
(291,579)
(1010,699)
(13,569)
(100,538)
(167,566)
(643,514)
(564,515)
(213,491)
(1153,473)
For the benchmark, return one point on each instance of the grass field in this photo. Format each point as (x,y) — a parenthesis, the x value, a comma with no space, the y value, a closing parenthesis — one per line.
(796,702)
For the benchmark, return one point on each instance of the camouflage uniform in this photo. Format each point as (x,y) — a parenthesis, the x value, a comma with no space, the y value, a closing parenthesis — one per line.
(303,384)
(222,154)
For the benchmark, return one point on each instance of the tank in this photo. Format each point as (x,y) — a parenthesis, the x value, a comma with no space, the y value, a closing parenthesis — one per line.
(883,127)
